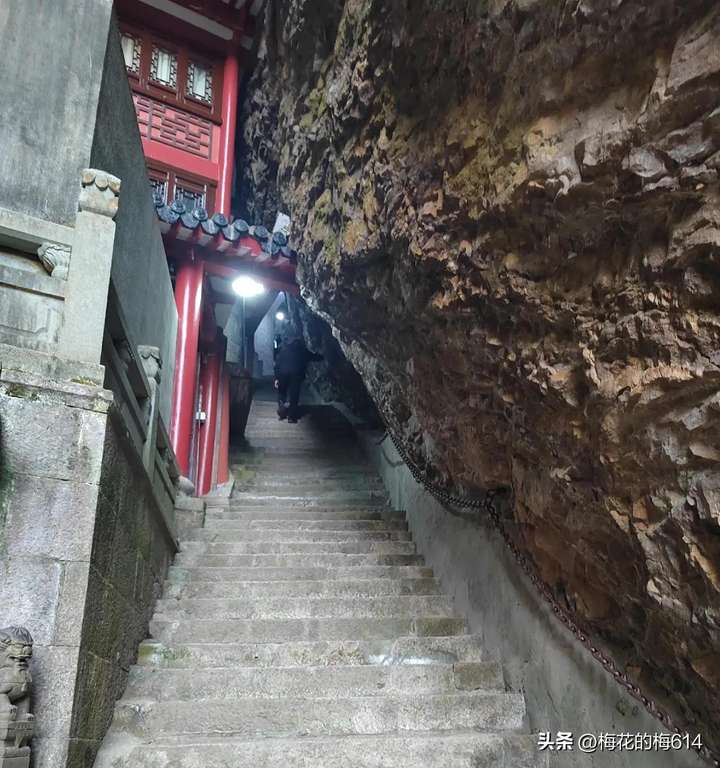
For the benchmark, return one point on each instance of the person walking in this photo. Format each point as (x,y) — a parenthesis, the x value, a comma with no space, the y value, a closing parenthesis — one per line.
(291,365)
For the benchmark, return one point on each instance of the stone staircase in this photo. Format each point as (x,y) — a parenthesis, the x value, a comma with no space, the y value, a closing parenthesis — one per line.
(299,628)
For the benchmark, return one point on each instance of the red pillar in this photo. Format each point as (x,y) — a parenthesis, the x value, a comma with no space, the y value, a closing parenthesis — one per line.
(210,384)
(188,297)
(224,456)
(231,81)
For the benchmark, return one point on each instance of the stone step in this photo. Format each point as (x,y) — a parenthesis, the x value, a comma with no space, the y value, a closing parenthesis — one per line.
(329,527)
(214,574)
(312,473)
(223,608)
(336,682)
(353,482)
(360,478)
(278,436)
(300,471)
(303,511)
(253,518)
(279,454)
(337,560)
(404,650)
(304,542)
(297,588)
(302,465)
(196,550)
(293,500)
(313,493)
(430,750)
(299,628)
(295,717)
(306,536)
(292,630)
(317,488)
(238,534)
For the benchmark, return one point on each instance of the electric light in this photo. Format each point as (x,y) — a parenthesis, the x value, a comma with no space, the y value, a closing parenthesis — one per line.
(280,316)
(246,287)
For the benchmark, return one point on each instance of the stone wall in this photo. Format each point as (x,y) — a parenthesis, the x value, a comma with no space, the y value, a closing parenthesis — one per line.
(52,67)
(565,689)
(51,453)
(507,211)
(131,551)
(139,269)
(84,545)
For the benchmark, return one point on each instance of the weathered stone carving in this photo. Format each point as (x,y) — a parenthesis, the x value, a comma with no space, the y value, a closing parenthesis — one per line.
(125,353)
(55,258)
(16,722)
(151,362)
(185,486)
(100,192)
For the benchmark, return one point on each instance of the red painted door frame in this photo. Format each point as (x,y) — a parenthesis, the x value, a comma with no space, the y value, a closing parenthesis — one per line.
(210,384)
(189,299)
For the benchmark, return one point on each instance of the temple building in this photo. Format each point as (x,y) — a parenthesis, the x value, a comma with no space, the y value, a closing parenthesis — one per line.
(184,62)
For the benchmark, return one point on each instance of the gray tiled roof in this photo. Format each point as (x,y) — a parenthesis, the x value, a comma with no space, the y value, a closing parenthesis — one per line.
(198,223)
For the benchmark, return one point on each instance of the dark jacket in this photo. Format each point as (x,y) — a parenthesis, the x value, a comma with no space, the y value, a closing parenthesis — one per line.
(293,358)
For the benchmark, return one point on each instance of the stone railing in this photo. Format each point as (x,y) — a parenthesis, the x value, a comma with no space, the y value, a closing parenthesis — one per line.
(58,299)
(134,374)
(55,278)
(34,257)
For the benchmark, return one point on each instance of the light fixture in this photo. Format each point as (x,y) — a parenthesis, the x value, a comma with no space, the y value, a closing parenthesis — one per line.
(280,316)
(246,287)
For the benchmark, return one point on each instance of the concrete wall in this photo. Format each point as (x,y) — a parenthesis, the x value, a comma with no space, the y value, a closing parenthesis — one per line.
(130,555)
(139,270)
(52,63)
(565,688)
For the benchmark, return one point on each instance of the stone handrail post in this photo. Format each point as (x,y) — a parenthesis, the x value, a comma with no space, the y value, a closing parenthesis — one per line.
(152,365)
(88,277)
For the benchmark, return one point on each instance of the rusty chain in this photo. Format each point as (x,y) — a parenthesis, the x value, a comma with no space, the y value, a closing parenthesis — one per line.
(487,504)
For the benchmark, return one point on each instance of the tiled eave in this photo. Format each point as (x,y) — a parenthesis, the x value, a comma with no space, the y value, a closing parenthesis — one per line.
(219,236)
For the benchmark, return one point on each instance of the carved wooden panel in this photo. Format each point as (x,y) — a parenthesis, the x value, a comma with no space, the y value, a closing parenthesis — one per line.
(173,126)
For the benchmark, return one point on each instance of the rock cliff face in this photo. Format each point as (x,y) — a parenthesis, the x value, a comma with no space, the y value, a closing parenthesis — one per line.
(509,212)
(333,378)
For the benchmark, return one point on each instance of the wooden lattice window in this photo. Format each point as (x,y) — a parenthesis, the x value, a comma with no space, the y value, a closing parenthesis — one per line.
(159,183)
(173,74)
(164,67)
(132,52)
(194,191)
(199,82)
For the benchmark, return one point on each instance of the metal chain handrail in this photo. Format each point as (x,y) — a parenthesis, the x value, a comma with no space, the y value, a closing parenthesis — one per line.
(487,503)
